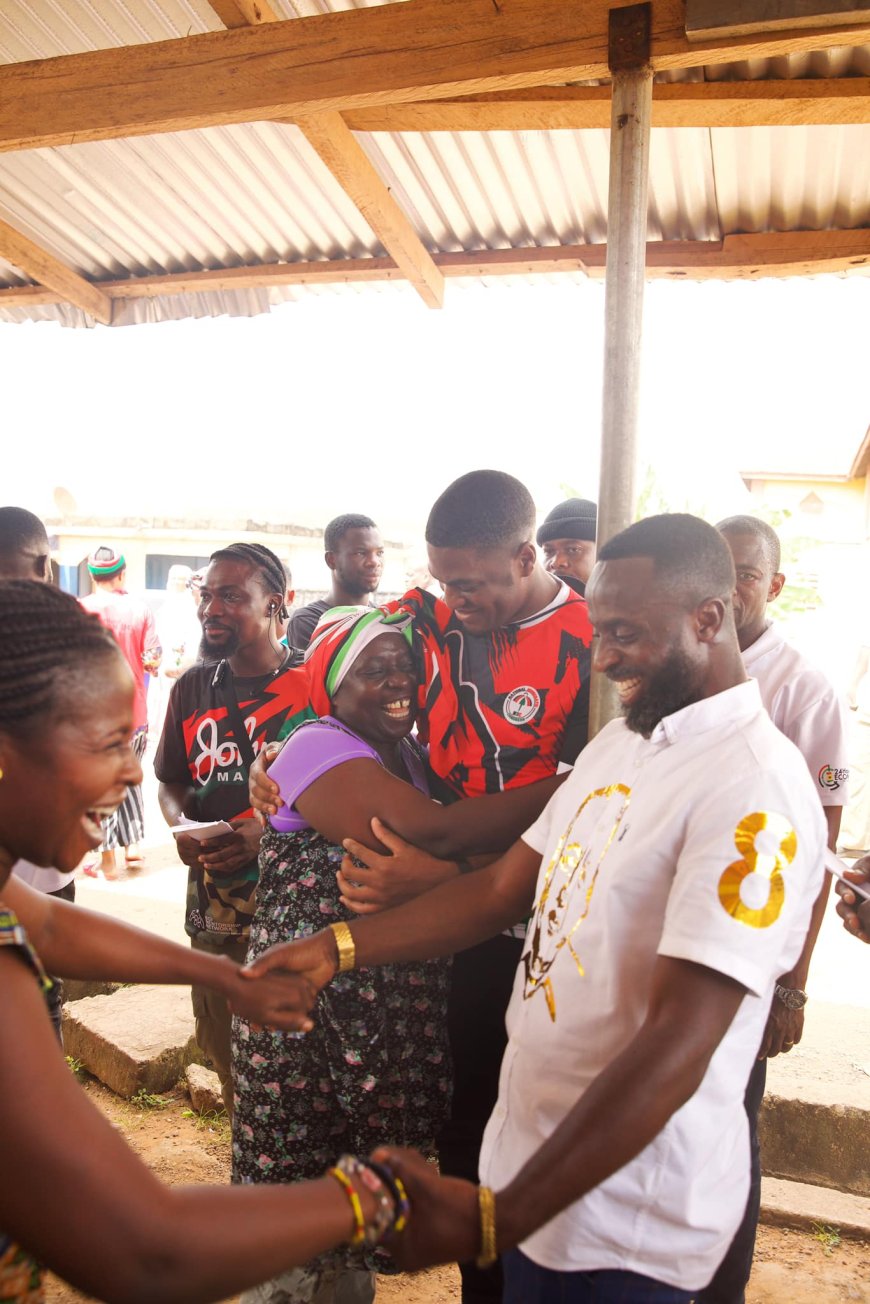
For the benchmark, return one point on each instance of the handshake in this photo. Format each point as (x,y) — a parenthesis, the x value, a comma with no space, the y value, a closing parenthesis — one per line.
(279,988)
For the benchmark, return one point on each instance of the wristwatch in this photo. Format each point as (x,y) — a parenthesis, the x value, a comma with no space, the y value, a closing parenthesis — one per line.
(793,997)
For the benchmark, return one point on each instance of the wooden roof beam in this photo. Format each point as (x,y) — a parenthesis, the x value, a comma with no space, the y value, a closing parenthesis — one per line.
(336,146)
(737,257)
(52,275)
(421,50)
(335,271)
(244,13)
(708,19)
(751,257)
(791,103)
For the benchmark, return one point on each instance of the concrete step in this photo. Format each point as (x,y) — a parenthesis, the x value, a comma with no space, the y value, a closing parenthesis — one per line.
(76,989)
(139,1038)
(815,1119)
(798,1204)
(825,1145)
(204,1089)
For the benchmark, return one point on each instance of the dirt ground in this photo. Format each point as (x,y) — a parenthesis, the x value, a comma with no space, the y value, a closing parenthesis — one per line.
(791,1267)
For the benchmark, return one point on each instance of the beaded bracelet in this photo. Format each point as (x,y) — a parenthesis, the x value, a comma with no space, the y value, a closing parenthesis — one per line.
(486,1205)
(396,1188)
(358,1173)
(359,1228)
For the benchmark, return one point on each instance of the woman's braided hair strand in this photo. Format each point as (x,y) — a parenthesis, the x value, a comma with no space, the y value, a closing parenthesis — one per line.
(44,633)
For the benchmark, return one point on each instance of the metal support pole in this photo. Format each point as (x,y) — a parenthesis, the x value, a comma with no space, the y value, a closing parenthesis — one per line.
(631,111)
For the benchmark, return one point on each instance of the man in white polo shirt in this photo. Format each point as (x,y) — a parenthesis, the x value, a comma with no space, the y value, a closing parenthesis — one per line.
(671,881)
(806,708)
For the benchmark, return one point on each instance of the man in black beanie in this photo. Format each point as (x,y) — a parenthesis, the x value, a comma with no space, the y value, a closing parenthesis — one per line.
(567,537)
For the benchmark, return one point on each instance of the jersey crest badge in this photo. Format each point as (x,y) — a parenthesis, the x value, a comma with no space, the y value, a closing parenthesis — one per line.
(521,705)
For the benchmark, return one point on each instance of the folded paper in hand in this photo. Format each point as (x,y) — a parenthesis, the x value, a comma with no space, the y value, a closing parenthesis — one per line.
(200,831)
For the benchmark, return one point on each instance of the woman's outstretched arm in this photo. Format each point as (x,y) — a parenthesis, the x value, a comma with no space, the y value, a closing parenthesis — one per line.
(76,1196)
(77,943)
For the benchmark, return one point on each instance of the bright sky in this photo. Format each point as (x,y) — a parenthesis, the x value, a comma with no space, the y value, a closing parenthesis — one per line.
(373,403)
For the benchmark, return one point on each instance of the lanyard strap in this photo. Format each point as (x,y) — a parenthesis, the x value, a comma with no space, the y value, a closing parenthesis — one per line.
(227,690)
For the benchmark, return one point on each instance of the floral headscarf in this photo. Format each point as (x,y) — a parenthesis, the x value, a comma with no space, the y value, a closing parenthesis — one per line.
(341,634)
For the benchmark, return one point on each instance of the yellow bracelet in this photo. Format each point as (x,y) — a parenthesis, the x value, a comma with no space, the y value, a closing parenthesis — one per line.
(486,1205)
(359,1230)
(345,947)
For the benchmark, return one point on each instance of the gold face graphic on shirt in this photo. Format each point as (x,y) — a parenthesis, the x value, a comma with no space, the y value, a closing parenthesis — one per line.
(566,895)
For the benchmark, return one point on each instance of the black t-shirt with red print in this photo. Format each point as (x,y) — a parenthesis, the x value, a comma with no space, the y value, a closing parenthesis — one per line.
(198,747)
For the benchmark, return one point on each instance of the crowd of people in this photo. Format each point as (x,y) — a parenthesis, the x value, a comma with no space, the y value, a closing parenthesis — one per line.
(436,920)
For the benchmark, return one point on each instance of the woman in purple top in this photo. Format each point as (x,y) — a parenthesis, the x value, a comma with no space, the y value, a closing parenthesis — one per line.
(375,1069)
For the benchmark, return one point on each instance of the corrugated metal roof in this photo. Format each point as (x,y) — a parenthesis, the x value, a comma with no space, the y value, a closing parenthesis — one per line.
(503,190)
(258,193)
(218,198)
(42,29)
(792,179)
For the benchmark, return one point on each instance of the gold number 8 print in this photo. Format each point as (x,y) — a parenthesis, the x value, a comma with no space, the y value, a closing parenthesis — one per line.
(769,864)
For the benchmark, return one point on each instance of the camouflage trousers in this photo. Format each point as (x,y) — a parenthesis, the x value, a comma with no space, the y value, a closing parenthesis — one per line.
(316,1283)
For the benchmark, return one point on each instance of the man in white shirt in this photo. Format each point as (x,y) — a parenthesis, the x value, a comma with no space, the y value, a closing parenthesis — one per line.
(805,707)
(671,881)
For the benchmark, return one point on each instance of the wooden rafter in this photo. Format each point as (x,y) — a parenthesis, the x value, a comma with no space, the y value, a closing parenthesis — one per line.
(337,147)
(737,257)
(750,257)
(709,18)
(822,101)
(421,50)
(335,143)
(53,276)
(244,13)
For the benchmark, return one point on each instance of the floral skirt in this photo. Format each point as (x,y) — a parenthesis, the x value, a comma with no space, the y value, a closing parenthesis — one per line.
(374,1070)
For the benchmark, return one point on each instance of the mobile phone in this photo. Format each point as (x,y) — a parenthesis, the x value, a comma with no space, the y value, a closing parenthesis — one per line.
(836,866)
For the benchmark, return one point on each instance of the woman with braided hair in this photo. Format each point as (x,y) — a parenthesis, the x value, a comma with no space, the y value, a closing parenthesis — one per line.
(72,1194)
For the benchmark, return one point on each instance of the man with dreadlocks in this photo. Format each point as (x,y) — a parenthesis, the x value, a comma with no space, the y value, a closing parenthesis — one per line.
(130,620)
(221,713)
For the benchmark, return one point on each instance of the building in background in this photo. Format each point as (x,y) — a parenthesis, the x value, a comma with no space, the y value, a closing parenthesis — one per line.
(819,504)
(152,545)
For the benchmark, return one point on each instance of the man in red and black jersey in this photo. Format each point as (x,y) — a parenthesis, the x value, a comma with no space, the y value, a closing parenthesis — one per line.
(504,700)
(501,708)
(220,715)
(507,656)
